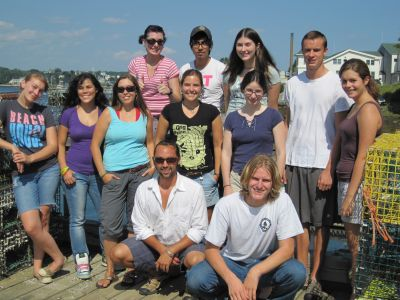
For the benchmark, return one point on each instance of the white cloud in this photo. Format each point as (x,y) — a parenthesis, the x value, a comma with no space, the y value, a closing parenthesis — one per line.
(19,36)
(5,25)
(123,55)
(168,51)
(111,20)
(74,33)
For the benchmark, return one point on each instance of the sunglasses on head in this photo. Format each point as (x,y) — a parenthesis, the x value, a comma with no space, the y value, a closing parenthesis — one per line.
(129,89)
(152,42)
(169,160)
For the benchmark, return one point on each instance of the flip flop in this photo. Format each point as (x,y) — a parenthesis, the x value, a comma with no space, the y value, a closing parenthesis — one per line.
(108,280)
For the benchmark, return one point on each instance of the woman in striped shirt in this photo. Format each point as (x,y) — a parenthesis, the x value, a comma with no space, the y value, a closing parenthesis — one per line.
(157,75)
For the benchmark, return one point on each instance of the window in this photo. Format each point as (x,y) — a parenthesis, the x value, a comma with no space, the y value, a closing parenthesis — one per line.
(335,61)
(373,75)
(339,61)
(372,62)
(395,60)
(368,62)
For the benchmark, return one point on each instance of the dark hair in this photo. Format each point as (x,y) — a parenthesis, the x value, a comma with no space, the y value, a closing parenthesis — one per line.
(166,143)
(263,57)
(361,68)
(201,36)
(256,76)
(39,76)
(261,161)
(72,98)
(192,72)
(315,34)
(152,28)
(138,102)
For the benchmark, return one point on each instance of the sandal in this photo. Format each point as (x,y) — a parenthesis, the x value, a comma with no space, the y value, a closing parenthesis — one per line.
(43,279)
(129,278)
(108,280)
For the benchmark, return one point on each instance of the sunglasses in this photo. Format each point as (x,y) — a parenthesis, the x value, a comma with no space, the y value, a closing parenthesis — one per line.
(152,42)
(169,160)
(129,89)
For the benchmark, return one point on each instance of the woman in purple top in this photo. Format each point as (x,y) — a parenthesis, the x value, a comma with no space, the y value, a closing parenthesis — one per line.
(84,103)
(250,130)
(356,133)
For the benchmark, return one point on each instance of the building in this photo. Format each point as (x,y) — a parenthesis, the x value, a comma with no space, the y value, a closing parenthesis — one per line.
(334,62)
(390,62)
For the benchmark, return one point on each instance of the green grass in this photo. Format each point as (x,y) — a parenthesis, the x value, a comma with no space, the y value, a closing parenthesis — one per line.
(389,88)
(391,121)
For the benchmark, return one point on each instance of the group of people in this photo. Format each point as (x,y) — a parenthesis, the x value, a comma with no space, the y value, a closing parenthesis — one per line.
(157,159)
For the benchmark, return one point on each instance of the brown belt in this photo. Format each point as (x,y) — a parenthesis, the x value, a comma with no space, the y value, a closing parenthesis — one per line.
(133,170)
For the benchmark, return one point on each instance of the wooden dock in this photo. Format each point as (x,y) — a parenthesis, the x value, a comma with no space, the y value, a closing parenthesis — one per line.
(66,285)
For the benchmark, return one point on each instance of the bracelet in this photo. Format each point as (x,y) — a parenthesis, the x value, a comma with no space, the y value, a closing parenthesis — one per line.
(170,92)
(217,174)
(226,185)
(170,253)
(103,175)
(64,170)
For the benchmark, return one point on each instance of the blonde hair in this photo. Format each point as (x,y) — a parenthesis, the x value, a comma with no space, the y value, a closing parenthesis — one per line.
(261,161)
(38,76)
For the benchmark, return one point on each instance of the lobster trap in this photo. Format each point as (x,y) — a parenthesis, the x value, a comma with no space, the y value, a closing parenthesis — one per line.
(378,262)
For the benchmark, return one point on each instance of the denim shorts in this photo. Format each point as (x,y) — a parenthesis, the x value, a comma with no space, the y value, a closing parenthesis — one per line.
(356,216)
(210,187)
(37,189)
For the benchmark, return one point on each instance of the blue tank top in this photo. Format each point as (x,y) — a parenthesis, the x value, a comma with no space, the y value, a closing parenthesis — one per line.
(125,143)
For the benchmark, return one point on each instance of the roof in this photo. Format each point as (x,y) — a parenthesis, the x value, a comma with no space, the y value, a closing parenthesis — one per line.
(392,48)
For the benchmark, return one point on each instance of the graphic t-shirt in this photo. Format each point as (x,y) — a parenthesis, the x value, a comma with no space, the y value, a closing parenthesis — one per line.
(192,135)
(26,129)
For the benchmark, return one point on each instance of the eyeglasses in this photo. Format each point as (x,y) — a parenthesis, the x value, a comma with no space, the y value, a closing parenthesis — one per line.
(249,92)
(169,160)
(129,89)
(199,43)
(152,42)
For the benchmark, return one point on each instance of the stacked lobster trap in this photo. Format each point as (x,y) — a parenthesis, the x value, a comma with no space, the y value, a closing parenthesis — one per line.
(15,248)
(378,262)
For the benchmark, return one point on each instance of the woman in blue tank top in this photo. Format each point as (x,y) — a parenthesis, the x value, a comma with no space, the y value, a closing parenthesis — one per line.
(126,129)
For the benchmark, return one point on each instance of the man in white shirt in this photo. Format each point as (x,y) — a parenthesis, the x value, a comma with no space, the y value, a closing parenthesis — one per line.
(169,220)
(201,44)
(259,225)
(316,104)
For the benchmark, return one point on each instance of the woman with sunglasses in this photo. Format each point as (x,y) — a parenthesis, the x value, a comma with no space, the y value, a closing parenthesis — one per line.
(127,131)
(157,75)
(250,130)
(83,105)
(249,53)
(196,127)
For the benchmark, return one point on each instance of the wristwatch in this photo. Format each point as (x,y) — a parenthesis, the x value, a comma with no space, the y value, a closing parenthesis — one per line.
(170,253)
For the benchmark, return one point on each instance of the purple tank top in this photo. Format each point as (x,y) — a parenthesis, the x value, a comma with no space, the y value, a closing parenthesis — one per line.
(349,135)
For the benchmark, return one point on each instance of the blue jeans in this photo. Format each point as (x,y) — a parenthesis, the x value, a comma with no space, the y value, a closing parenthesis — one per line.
(36,189)
(202,281)
(76,195)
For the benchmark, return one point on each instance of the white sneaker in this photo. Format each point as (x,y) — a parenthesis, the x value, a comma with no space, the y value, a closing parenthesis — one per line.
(82,266)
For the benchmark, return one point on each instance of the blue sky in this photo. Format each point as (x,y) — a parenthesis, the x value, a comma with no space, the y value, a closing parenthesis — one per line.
(103,35)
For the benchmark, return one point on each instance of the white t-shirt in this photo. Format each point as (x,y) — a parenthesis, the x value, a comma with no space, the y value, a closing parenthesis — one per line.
(313,104)
(252,232)
(212,80)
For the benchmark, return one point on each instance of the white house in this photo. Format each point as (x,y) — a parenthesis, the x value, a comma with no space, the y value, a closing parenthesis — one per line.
(390,62)
(334,62)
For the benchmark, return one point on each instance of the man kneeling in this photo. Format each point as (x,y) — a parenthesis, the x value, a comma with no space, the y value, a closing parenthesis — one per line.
(169,220)
(259,225)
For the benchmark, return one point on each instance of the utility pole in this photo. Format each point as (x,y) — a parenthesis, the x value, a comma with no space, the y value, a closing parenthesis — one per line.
(291,56)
